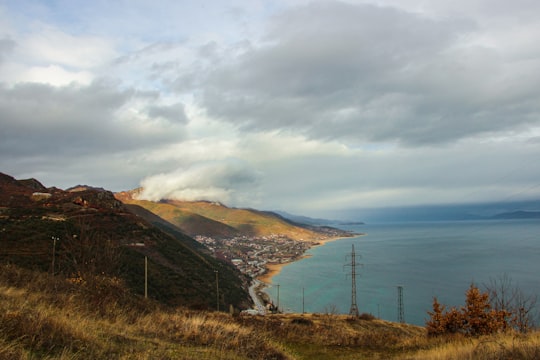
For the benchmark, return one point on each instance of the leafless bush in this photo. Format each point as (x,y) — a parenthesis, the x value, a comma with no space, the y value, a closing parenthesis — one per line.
(505,296)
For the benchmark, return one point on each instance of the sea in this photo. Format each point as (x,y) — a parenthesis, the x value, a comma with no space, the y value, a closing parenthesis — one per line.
(425,259)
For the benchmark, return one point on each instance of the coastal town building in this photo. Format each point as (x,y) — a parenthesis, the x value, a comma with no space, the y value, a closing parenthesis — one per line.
(251,254)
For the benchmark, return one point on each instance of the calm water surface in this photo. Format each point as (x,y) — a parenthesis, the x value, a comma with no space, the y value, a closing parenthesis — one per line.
(428,259)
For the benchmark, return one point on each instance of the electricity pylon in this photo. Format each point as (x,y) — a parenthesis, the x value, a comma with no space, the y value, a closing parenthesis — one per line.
(354,307)
(401,316)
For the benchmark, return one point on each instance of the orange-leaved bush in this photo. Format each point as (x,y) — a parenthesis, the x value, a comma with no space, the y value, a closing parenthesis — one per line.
(474,319)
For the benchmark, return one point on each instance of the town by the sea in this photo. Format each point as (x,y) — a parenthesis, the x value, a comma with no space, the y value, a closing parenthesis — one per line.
(426,259)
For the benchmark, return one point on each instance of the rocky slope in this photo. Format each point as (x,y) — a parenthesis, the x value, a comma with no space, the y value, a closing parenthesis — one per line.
(87,231)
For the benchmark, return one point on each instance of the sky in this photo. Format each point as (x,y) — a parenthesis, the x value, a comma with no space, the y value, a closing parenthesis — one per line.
(311,107)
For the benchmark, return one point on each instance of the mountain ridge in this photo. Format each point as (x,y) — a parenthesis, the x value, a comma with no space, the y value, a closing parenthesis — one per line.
(214,219)
(89,233)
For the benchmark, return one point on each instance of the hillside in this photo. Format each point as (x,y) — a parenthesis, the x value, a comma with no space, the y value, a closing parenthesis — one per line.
(71,284)
(44,317)
(87,232)
(217,220)
(49,317)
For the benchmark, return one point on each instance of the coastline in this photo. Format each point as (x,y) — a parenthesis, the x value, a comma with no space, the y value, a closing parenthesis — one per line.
(274,269)
(326,241)
(264,281)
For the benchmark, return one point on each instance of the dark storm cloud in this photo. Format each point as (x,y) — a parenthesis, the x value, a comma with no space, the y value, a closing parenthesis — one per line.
(39,119)
(361,72)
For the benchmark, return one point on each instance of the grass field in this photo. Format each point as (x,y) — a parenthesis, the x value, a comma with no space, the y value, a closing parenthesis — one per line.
(45,317)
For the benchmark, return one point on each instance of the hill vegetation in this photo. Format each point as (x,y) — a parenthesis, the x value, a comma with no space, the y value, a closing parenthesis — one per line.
(56,317)
(217,220)
(71,287)
(86,232)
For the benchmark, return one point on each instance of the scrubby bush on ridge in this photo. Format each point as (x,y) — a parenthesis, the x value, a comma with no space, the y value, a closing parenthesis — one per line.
(476,318)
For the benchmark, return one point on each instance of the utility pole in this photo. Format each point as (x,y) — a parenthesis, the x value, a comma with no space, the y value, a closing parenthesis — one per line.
(401,316)
(303,301)
(277,298)
(146,277)
(354,307)
(217,290)
(54,239)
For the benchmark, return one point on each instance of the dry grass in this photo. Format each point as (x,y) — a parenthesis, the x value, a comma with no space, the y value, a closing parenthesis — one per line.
(43,317)
(318,336)
(53,318)
(500,346)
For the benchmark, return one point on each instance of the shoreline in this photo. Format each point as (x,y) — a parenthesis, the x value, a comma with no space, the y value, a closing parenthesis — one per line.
(273,269)
(264,281)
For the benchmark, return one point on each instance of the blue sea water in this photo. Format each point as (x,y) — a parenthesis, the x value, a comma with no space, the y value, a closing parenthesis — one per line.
(428,259)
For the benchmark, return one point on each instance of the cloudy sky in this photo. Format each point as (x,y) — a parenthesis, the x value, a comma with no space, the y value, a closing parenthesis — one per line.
(303,106)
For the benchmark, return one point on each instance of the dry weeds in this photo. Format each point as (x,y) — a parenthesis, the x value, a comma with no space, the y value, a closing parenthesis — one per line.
(42,317)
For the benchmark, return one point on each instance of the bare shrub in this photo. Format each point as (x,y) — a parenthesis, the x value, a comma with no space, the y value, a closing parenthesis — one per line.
(330,311)
(88,253)
(302,321)
(505,296)
(367,317)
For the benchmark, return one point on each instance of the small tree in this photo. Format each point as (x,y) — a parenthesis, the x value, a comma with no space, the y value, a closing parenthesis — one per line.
(436,323)
(479,318)
(474,319)
(454,321)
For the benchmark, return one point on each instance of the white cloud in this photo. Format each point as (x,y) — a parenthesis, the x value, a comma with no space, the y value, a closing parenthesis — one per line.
(52,75)
(216,181)
(294,105)
(49,45)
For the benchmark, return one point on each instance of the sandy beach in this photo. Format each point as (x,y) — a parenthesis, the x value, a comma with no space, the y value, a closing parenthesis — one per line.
(274,269)
(323,242)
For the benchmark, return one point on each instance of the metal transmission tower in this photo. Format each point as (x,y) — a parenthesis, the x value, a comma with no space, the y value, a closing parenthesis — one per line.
(401,316)
(354,307)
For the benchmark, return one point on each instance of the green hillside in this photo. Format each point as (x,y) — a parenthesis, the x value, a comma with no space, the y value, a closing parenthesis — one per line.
(85,233)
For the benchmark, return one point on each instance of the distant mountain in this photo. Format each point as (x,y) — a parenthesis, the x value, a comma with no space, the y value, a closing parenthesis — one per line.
(88,231)
(520,214)
(442,212)
(316,221)
(217,220)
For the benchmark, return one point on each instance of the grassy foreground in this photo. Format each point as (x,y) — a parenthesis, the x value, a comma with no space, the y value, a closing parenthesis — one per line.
(45,317)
